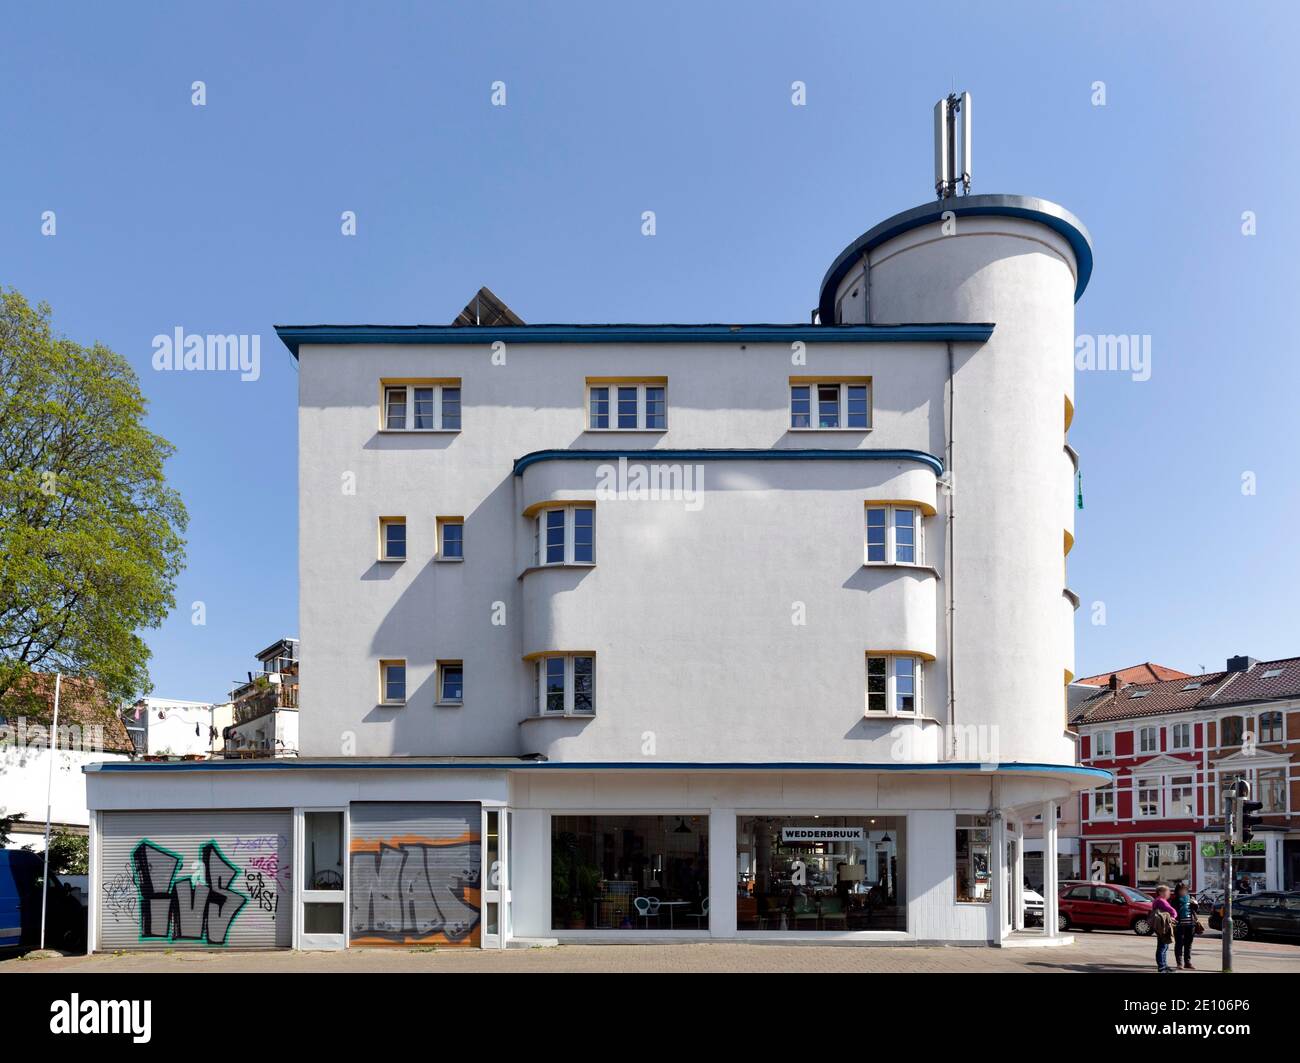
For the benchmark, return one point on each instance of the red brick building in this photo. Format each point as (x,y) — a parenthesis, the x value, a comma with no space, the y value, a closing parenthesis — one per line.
(1174,742)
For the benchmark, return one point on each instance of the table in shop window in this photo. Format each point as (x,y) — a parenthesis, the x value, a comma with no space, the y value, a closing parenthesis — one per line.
(670,905)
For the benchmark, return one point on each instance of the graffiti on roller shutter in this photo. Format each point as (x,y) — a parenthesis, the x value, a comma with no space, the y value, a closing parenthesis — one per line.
(200,907)
(414,890)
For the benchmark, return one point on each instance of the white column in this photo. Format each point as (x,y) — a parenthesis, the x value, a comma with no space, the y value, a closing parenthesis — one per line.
(92,910)
(1018,877)
(530,873)
(1050,907)
(998,910)
(1273,861)
(722,872)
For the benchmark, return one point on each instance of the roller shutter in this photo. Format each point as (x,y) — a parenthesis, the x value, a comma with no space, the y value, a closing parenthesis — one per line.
(413,874)
(196,880)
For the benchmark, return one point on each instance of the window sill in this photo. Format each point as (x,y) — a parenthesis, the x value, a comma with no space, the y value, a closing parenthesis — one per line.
(419,431)
(825,430)
(449,704)
(535,717)
(607,431)
(919,717)
(391,705)
(929,570)
(449,560)
(565,564)
(390,560)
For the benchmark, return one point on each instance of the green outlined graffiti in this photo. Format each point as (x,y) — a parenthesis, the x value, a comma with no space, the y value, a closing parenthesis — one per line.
(186,909)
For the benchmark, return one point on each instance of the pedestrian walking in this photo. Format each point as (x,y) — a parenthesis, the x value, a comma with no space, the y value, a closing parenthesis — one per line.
(1184,926)
(1163,915)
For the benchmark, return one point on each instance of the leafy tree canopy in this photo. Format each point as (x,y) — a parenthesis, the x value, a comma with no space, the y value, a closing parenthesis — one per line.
(90,533)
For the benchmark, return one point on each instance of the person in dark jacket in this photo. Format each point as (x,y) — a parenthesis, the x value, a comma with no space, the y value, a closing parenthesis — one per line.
(1184,926)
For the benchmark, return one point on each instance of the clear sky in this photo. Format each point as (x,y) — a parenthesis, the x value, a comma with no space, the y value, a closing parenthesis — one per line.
(225,218)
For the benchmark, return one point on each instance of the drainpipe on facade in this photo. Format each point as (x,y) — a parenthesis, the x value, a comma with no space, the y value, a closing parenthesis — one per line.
(950,514)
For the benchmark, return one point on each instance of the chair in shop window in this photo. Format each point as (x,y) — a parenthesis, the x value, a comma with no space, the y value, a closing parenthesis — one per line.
(805,912)
(647,908)
(702,918)
(833,914)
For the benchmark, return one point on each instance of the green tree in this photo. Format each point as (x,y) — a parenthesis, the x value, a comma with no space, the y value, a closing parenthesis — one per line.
(7,821)
(90,533)
(69,853)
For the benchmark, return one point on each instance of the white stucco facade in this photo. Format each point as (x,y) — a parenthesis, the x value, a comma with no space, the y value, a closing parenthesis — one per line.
(171,727)
(732,632)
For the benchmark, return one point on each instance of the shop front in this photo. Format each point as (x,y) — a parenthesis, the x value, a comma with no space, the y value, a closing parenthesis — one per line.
(233,856)
(453,854)
(630,872)
(1251,872)
(820,873)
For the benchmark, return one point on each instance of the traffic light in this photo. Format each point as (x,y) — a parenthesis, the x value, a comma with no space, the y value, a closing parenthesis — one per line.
(1249,819)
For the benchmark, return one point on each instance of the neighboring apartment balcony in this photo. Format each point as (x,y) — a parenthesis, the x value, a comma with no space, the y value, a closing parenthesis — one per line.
(263,693)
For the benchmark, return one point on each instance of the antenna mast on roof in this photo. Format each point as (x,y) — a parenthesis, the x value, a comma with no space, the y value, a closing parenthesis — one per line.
(946,172)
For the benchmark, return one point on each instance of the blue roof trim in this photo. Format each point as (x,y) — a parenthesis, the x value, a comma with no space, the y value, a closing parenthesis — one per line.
(734,454)
(395,764)
(294,335)
(1043,211)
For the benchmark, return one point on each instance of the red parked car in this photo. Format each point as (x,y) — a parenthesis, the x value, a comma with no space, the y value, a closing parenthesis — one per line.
(1104,906)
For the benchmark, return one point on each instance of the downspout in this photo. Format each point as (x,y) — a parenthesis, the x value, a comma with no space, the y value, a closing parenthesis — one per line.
(950,573)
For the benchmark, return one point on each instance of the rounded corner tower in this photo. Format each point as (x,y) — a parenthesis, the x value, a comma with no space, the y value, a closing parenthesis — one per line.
(1018,263)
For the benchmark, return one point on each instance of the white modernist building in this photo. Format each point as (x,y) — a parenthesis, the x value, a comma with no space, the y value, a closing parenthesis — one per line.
(665,631)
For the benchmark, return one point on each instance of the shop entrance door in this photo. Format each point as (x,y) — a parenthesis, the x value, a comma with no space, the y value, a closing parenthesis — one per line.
(496,878)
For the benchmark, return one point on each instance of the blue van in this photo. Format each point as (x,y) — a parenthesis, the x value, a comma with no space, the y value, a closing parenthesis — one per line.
(20,906)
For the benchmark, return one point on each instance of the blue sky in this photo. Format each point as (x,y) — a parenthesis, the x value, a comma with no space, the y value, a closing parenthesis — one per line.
(225,218)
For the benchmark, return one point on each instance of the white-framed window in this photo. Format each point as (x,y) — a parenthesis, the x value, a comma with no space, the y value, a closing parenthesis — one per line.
(1148,739)
(421,406)
(451,682)
(829,405)
(566,684)
(1270,727)
(1103,802)
(565,535)
(1232,730)
(894,685)
(627,406)
(1270,789)
(894,535)
(392,682)
(1103,744)
(1150,793)
(451,538)
(1182,797)
(1180,736)
(392,538)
